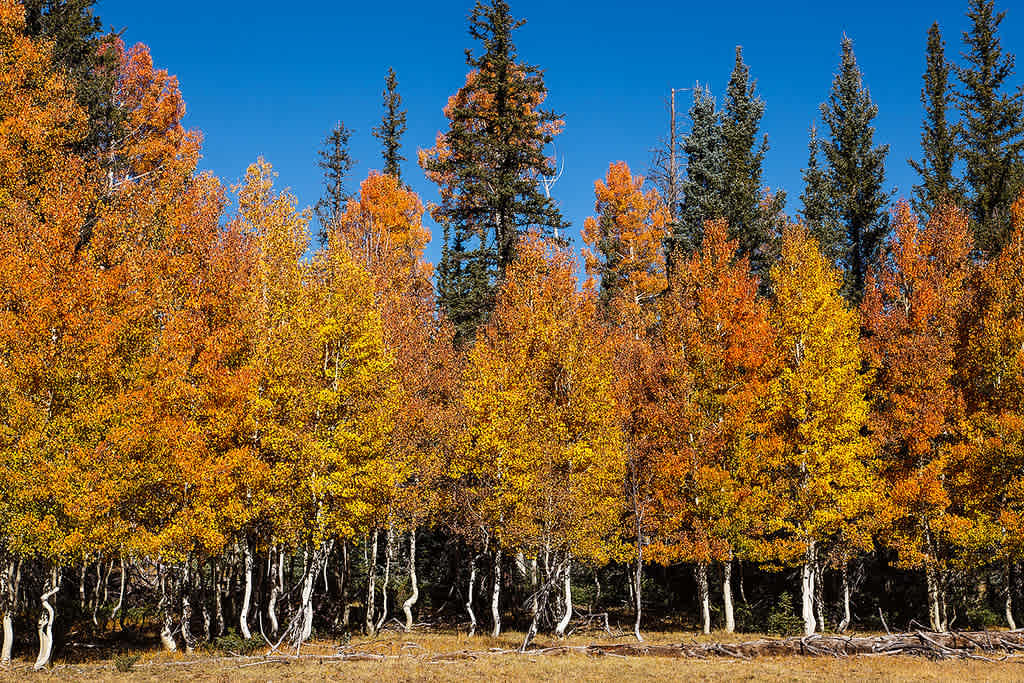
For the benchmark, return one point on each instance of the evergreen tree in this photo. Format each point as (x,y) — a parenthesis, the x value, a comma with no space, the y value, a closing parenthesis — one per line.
(86,54)
(702,188)
(392,127)
(938,184)
(749,219)
(817,213)
(487,165)
(855,172)
(992,128)
(335,162)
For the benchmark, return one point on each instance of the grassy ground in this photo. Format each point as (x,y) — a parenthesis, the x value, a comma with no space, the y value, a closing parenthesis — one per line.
(451,657)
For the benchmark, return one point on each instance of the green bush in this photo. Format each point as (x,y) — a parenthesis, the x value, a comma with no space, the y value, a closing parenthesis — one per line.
(124,662)
(782,620)
(233,643)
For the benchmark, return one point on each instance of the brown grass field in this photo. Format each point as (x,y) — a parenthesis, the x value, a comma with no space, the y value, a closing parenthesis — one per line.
(454,657)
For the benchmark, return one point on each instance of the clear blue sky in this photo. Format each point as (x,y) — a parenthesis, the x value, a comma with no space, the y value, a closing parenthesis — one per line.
(264,78)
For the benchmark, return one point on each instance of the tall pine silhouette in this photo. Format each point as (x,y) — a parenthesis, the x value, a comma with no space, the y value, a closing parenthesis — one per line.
(392,127)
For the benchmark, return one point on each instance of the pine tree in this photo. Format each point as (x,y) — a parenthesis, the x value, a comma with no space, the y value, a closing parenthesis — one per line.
(336,162)
(939,183)
(86,54)
(992,135)
(855,171)
(742,158)
(487,165)
(702,189)
(392,127)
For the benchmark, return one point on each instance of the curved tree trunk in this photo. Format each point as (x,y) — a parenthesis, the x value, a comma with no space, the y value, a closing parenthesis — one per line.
(243,615)
(704,596)
(12,579)
(539,601)
(807,590)
(730,615)
(186,610)
(469,597)
(567,614)
(46,620)
(936,600)
(496,596)
(413,583)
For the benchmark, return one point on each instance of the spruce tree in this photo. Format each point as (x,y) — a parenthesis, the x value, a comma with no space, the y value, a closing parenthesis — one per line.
(939,184)
(992,127)
(817,213)
(80,49)
(392,127)
(701,191)
(855,172)
(743,152)
(336,162)
(488,164)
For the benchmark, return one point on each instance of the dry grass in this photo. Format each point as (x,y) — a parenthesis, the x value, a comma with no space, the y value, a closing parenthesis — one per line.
(451,657)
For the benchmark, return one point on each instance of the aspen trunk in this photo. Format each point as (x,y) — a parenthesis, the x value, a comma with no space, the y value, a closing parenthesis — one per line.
(277,579)
(389,553)
(496,596)
(218,603)
(807,590)
(308,584)
(847,615)
(243,615)
(46,619)
(936,600)
(345,578)
(371,586)
(12,579)
(166,614)
(704,595)
(567,614)
(413,583)
(186,611)
(637,583)
(540,603)
(730,616)
(1008,584)
(469,597)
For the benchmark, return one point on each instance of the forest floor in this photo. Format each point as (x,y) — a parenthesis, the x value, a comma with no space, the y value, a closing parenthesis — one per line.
(455,657)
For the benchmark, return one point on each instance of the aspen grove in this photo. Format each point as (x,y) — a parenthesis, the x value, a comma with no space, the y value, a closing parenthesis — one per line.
(214,425)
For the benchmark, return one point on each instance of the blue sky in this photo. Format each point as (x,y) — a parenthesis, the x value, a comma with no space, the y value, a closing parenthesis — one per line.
(260,80)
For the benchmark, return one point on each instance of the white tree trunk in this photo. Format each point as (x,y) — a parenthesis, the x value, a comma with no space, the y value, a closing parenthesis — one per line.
(469,597)
(704,596)
(243,616)
(11,581)
(46,620)
(411,601)
(496,596)
(847,615)
(567,614)
(936,600)
(730,615)
(807,590)
(308,584)
(371,587)
(389,553)
(1008,582)
(277,578)
(636,593)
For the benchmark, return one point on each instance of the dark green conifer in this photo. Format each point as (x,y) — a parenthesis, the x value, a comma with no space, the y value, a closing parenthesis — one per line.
(336,162)
(392,127)
(854,173)
(992,127)
(491,169)
(939,184)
